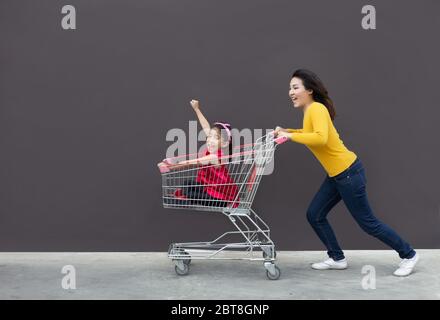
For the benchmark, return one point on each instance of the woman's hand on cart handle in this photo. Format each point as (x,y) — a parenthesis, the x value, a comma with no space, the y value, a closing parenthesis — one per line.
(278,130)
(281,135)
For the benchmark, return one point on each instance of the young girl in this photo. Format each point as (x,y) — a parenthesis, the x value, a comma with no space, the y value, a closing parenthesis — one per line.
(212,184)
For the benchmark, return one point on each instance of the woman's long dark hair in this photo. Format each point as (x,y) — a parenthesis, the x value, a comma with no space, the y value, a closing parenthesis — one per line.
(320,94)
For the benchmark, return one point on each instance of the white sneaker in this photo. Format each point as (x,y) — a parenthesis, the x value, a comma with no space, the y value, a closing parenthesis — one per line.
(330,264)
(407,266)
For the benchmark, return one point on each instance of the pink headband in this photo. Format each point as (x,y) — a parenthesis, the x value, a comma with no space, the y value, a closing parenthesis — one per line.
(224,125)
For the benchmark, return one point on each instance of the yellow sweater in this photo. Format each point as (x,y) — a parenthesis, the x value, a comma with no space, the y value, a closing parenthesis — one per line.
(320,136)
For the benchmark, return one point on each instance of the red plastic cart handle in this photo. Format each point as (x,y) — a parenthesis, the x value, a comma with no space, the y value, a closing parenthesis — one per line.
(281,140)
(163,169)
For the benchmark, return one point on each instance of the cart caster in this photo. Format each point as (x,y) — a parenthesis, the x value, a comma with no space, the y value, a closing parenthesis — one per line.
(267,256)
(272,271)
(186,261)
(182,252)
(183,271)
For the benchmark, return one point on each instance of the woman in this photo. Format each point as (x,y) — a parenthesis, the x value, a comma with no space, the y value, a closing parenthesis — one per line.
(345,177)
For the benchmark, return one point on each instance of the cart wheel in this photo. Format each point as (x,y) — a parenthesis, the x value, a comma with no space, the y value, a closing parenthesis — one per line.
(275,276)
(188,260)
(181,272)
(180,251)
(266,256)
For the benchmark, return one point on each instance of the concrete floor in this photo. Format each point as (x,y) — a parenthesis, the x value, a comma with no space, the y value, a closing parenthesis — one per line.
(152,276)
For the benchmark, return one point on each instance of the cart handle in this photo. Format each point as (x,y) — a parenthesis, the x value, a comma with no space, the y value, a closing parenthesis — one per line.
(281,140)
(163,168)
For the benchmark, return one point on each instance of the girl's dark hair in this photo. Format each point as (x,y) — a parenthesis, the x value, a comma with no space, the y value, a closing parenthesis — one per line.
(224,134)
(320,94)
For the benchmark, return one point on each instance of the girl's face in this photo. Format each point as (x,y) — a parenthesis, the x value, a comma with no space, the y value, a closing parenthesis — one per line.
(300,96)
(213,141)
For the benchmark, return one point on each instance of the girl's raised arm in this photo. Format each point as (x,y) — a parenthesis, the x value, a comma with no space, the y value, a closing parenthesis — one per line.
(203,122)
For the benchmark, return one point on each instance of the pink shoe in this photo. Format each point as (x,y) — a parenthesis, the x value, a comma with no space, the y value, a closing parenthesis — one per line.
(179,194)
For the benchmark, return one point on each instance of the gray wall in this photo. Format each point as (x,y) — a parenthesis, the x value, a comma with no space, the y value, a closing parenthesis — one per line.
(84,115)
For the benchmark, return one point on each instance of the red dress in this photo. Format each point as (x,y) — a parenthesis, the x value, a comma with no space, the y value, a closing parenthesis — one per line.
(217,182)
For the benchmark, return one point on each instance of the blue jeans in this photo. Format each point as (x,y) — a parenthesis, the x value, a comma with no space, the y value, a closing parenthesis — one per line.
(350,186)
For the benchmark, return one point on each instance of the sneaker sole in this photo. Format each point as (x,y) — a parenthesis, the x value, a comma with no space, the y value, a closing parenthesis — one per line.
(330,268)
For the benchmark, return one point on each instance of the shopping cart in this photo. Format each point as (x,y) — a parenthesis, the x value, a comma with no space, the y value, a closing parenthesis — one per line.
(245,168)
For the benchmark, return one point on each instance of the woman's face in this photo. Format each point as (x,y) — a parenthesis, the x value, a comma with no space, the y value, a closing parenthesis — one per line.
(213,141)
(300,96)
